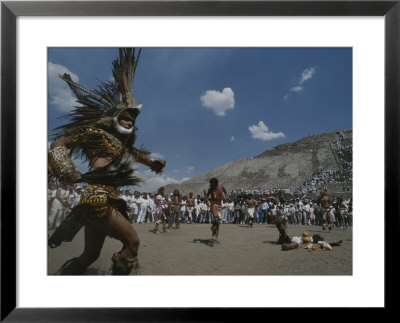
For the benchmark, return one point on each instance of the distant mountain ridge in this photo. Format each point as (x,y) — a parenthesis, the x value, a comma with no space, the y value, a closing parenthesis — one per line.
(286,166)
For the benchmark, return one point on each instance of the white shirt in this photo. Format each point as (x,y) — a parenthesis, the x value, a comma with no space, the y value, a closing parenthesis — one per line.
(144,203)
(183,206)
(134,204)
(197,205)
(231,206)
(137,200)
(152,204)
(203,207)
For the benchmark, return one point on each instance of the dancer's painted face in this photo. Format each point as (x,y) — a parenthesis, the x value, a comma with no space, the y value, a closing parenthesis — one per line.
(125,120)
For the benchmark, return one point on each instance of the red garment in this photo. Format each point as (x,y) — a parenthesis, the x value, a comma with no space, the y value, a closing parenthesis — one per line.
(212,206)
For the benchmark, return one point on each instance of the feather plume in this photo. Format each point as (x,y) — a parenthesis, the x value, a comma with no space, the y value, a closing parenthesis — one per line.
(102,103)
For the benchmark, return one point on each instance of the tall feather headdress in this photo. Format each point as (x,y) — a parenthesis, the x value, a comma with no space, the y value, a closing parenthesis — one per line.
(100,106)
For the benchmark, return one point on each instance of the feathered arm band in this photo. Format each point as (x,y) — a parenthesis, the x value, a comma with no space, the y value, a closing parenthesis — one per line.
(61,166)
(141,156)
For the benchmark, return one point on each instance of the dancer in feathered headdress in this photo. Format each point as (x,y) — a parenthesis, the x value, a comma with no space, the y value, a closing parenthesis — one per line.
(102,129)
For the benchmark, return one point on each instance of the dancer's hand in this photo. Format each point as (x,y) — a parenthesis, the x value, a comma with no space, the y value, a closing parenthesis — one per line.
(157,165)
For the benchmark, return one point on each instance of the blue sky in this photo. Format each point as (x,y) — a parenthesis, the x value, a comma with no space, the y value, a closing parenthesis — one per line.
(204,107)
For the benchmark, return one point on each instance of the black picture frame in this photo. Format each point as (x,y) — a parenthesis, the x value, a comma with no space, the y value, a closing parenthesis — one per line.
(10,10)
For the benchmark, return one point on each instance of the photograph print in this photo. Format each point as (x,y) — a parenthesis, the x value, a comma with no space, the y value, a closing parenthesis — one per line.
(200,161)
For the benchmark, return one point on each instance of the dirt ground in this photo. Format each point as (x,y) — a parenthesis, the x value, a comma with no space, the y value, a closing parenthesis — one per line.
(240,251)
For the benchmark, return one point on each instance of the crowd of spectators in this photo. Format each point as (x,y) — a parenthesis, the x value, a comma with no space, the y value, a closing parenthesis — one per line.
(142,207)
(320,180)
(61,198)
(258,191)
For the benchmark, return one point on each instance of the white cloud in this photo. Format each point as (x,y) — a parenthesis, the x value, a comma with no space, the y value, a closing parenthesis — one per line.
(232,138)
(218,102)
(296,89)
(60,93)
(307,74)
(261,131)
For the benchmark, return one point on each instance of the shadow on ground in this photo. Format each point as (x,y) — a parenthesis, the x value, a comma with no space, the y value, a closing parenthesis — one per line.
(207,242)
(272,242)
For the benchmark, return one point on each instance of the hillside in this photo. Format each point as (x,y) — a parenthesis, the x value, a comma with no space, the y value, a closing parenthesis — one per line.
(287,166)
